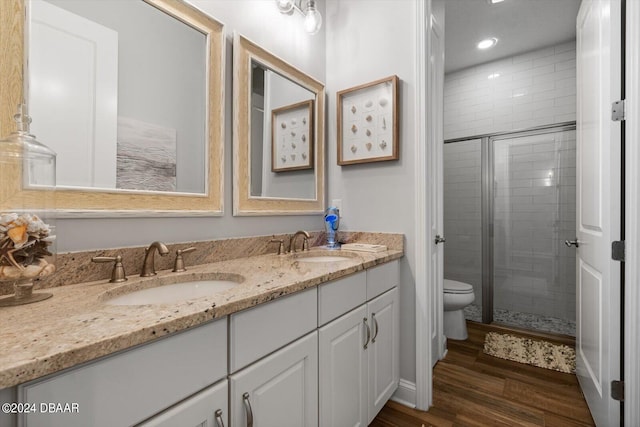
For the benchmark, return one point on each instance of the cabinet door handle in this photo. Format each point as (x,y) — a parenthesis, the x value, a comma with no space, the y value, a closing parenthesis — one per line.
(366,343)
(218,415)
(375,330)
(247,408)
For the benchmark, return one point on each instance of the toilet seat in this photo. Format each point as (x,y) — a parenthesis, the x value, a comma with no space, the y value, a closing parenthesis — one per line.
(455,287)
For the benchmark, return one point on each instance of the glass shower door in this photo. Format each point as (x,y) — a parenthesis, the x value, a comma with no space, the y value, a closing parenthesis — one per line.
(462,197)
(534,211)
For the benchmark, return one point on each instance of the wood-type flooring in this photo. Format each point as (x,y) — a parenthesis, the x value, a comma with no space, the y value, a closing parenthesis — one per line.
(473,389)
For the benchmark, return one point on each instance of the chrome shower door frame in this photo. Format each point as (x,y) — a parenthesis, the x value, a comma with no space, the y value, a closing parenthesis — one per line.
(487,169)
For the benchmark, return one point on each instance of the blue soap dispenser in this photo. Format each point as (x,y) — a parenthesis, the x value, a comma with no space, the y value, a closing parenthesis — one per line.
(331,223)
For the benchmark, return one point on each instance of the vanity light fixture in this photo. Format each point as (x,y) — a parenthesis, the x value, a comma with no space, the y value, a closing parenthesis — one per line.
(487,43)
(312,18)
(493,76)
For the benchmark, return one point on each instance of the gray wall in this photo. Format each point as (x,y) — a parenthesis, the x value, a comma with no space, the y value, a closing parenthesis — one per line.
(283,35)
(366,42)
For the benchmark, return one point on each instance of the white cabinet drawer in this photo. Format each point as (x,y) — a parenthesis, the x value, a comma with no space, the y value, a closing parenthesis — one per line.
(256,332)
(340,296)
(130,387)
(382,278)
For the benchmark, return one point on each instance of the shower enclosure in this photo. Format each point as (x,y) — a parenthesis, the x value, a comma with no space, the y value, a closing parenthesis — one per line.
(509,205)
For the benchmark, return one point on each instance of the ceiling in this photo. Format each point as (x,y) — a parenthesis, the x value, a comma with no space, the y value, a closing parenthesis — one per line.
(519,26)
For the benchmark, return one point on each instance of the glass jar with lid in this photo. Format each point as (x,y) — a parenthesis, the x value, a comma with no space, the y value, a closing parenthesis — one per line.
(27,213)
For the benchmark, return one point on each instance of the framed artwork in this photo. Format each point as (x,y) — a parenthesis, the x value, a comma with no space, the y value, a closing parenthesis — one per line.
(368,122)
(292,137)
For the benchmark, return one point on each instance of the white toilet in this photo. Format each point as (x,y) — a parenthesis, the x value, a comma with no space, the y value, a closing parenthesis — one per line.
(457,296)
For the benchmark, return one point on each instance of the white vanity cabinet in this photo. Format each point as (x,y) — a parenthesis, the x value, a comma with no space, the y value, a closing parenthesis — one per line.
(383,352)
(344,374)
(359,353)
(207,408)
(131,386)
(325,356)
(280,390)
(258,331)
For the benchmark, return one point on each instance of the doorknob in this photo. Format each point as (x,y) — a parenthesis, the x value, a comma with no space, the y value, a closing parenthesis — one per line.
(440,239)
(570,243)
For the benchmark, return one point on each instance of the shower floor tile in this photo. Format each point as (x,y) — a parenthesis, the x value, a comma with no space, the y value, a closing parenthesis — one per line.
(524,320)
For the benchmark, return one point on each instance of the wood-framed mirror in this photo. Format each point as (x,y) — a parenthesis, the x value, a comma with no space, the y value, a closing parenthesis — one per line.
(278,133)
(134,195)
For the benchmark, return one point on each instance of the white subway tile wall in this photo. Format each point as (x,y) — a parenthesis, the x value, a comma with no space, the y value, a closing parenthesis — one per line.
(533,89)
(534,180)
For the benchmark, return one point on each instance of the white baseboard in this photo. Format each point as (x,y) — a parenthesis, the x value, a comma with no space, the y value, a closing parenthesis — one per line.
(405,394)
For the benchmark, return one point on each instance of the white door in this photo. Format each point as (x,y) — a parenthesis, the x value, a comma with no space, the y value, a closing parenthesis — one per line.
(383,353)
(434,168)
(280,390)
(73,80)
(206,409)
(598,207)
(343,371)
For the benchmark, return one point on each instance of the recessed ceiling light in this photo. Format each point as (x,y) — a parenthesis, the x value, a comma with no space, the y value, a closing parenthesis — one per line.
(493,76)
(487,43)
(495,1)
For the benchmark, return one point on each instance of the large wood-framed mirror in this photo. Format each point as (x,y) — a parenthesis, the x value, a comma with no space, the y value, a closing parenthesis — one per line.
(278,135)
(181,172)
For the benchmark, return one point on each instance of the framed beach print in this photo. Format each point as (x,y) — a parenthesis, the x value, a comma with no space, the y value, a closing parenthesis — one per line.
(292,137)
(368,122)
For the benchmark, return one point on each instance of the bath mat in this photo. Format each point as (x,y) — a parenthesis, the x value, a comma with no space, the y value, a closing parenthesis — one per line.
(542,354)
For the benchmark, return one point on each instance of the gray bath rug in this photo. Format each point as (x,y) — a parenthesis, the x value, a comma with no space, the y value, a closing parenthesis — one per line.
(542,354)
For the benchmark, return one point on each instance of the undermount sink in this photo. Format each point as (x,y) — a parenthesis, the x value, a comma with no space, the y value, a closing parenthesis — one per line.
(168,293)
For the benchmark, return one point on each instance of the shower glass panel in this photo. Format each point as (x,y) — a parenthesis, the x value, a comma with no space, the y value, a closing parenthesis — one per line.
(534,211)
(462,218)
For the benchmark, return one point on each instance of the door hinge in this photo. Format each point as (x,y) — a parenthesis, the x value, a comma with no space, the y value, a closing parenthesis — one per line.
(617,111)
(617,250)
(617,390)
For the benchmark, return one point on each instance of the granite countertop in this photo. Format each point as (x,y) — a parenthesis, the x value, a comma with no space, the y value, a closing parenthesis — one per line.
(76,326)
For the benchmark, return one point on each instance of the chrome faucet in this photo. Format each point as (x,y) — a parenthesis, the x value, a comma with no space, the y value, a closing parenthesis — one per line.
(148,267)
(305,240)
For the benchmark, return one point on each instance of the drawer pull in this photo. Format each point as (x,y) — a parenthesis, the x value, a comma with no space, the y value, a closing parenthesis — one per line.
(218,415)
(247,408)
(375,325)
(366,343)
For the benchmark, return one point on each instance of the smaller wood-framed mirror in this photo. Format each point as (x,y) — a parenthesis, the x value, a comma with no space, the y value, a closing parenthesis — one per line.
(278,135)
